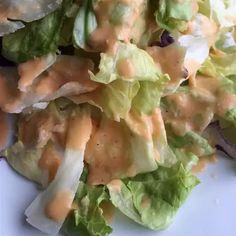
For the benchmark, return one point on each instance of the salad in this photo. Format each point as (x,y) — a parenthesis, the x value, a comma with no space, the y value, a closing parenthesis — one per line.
(114,104)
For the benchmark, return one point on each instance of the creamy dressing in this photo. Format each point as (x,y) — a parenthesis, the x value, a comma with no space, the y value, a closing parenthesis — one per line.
(125,68)
(171,61)
(50,161)
(36,130)
(204,27)
(146,126)
(5,130)
(105,36)
(195,110)
(8,92)
(106,153)
(80,128)
(146,202)
(202,163)
(28,72)
(59,206)
(108,211)
(66,69)
(115,185)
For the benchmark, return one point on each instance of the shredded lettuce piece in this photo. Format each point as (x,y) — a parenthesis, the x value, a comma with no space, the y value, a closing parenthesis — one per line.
(152,199)
(79,124)
(173,15)
(37,38)
(13,13)
(87,219)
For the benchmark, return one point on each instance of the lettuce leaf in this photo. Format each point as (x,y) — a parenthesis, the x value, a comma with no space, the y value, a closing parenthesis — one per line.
(192,142)
(153,199)
(85,23)
(64,181)
(15,13)
(25,161)
(141,92)
(221,11)
(142,65)
(173,15)
(37,38)
(87,219)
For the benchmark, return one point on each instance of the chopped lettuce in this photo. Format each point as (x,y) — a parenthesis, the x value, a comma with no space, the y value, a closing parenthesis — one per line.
(137,63)
(222,11)
(152,199)
(219,65)
(173,15)
(192,142)
(149,95)
(15,12)
(87,219)
(37,38)
(64,181)
(85,23)
(25,161)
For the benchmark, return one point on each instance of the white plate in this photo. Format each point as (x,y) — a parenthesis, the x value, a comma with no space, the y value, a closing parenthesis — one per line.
(209,210)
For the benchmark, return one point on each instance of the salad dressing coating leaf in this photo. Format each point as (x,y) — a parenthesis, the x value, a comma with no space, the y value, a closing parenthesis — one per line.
(43,212)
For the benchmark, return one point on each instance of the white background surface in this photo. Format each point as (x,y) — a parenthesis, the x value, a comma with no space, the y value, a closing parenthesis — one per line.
(210,210)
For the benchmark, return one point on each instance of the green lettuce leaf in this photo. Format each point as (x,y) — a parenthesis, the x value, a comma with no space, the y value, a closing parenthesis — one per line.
(14,14)
(37,38)
(231,116)
(64,181)
(226,40)
(85,23)
(221,11)
(173,15)
(220,65)
(88,219)
(143,66)
(191,142)
(149,95)
(25,161)
(153,199)
(187,159)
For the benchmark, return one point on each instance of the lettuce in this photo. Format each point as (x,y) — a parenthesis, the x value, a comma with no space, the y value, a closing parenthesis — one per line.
(221,11)
(221,65)
(37,38)
(153,199)
(87,219)
(191,141)
(64,181)
(25,161)
(85,23)
(142,65)
(15,12)
(173,15)
(118,94)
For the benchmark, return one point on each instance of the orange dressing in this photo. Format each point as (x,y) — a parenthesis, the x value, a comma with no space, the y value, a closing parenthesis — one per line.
(76,71)
(106,153)
(4,129)
(202,163)
(79,131)
(170,59)
(146,202)
(125,68)
(59,206)
(28,71)
(108,211)
(50,161)
(115,185)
